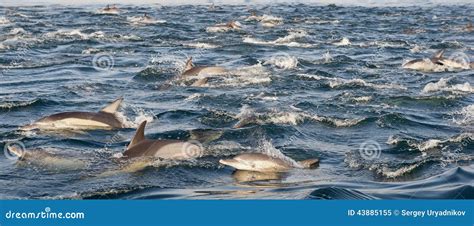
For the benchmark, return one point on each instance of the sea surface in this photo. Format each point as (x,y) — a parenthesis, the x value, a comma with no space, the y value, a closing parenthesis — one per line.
(313,81)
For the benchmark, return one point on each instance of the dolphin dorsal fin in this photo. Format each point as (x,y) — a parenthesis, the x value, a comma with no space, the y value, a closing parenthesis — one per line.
(139,135)
(439,54)
(189,64)
(113,107)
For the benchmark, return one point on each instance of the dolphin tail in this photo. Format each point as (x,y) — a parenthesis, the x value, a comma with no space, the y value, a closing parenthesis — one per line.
(309,163)
(113,107)
(139,135)
(205,136)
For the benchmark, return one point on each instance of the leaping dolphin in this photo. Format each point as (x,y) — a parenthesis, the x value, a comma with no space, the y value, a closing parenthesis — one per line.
(165,149)
(264,163)
(104,119)
(191,70)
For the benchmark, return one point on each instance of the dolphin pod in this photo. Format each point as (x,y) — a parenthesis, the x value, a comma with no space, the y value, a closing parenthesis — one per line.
(261,165)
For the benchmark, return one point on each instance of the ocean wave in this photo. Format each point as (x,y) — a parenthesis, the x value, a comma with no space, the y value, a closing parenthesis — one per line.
(10,105)
(247,116)
(343,42)
(137,20)
(282,61)
(4,21)
(290,40)
(443,85)
(74,33)
(201,45)
(465,116)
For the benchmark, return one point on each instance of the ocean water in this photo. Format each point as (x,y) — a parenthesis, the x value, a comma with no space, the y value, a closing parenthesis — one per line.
(308,81)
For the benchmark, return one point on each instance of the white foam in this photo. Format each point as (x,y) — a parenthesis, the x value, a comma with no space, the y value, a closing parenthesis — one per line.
(136,20)
(344,42)
(17,31)
(194,96)
(339,82)
(201,45)
(62,33)
(289,40)
(442,85)
(248,115)
(283,61)
(466,116)
(4,20)
(266,147)
(140,116)
(390,173)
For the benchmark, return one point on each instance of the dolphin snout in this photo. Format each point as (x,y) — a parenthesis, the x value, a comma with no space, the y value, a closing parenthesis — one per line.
(228,162)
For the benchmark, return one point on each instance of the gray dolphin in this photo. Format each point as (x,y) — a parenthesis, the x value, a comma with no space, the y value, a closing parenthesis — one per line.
(437,63)
(264,163)
(44,159)
(425,64)
(191,70)
(104,119)
(165,149)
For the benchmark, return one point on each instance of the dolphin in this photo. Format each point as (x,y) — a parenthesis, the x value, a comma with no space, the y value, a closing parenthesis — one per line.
(165,149)
(104,119)
(425,64)
(44,159)
(437,63)
(224,27)
(191,70)
(265,163)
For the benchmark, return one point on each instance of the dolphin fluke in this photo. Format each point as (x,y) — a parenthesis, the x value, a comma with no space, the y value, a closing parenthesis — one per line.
(139,135)
(113,107)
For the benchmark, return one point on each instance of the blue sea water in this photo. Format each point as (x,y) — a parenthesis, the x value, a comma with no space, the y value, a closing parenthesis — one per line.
(317,81)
